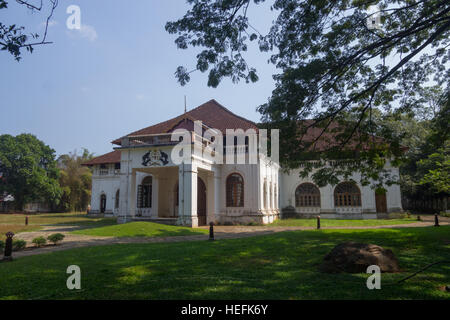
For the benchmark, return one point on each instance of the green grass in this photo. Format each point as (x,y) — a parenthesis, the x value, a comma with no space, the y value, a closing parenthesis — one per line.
(279,266)
(339,223)
(16,222)
(140,229)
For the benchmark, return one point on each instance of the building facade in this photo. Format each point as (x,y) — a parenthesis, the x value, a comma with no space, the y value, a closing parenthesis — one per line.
(139,180)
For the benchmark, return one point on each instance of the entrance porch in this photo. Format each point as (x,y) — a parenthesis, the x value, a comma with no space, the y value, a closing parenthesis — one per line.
(176,195)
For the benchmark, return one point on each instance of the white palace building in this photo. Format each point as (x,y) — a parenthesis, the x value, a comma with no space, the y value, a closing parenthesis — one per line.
(140,180)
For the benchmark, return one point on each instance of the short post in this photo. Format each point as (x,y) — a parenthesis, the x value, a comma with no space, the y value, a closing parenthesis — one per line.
(8,246)
(418,218)
(211,231)
(436,220)
(318,222)
(26,220)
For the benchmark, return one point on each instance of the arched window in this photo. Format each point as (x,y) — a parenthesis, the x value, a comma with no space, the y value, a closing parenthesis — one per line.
(347,194)
(307,195)
(103,203)
(116,204)
(235,190)
(145,193)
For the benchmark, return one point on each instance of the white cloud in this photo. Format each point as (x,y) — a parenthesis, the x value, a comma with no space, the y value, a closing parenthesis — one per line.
(86,31)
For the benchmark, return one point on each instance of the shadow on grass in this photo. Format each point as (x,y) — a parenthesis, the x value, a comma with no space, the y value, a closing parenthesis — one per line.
(278,266)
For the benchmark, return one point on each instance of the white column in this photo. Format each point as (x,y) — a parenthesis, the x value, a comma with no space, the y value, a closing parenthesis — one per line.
(132,200)
(188,187)
(128,200)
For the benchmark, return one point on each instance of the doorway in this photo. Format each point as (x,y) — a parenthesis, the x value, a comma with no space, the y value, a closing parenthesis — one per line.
(381,203)
(102,203)
(201,202)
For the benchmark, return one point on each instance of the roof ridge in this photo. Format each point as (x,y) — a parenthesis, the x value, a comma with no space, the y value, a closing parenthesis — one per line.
(228,110)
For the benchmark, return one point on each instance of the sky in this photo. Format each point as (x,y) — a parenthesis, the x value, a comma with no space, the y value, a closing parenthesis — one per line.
(113,76)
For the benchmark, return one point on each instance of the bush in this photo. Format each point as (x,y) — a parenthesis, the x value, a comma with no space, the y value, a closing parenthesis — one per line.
(2,244)
(39,241)
(397,215)
(18,245)
(444,214)
(55,238)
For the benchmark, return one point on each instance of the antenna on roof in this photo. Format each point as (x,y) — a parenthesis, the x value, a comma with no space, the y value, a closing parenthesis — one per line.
(185,104)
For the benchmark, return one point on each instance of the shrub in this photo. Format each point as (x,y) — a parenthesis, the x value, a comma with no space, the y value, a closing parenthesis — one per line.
(39,241)
(2,244)
(55,238)
(444,214)
(397,215)
(19,244)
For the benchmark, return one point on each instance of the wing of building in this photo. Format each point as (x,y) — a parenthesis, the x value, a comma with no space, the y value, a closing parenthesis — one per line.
(143,178)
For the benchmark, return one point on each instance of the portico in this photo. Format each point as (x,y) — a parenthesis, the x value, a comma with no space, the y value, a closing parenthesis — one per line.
(185,194)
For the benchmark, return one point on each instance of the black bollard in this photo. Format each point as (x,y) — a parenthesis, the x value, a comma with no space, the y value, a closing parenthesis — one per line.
(26,221)
(211,231)
(436,220)
(318,222)
(8,246)
(419,218)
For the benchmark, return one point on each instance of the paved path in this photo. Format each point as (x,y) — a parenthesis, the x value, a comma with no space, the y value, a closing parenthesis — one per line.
(221,232)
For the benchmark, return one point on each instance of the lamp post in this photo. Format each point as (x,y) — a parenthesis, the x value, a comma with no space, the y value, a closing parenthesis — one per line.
(8,246)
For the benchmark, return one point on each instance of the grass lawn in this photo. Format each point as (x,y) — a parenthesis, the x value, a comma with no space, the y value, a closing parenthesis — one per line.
(278,266)
(140,229)
(16,222)
(339,223)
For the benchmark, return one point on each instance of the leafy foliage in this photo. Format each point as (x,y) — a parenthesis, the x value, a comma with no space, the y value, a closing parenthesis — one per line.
(13,38)
(28,169)
(55,238)
(75,181)
(335,69)
(19,244)
(39,241)
(437,166)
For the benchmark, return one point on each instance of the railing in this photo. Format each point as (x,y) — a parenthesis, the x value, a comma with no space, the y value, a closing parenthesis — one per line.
(148,140)
(143,212)
(103,172)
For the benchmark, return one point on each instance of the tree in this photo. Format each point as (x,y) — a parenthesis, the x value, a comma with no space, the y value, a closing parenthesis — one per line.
(75,180)
(12,37)
(335,68)
(437,168)
(28,169)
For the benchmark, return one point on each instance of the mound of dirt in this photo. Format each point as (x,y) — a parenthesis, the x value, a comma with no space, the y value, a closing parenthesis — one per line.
(352,257)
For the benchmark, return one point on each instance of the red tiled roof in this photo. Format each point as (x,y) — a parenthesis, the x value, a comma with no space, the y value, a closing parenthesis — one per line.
(328,139)
(111,157)
(211,113)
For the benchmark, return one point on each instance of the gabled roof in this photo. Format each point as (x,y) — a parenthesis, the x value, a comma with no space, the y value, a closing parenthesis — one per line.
(211,113)
(111,157)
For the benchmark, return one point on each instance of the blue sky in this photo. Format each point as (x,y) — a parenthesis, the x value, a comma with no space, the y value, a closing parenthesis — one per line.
(114,76)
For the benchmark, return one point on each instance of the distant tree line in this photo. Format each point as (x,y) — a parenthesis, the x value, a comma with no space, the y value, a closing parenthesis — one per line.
(30,172)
